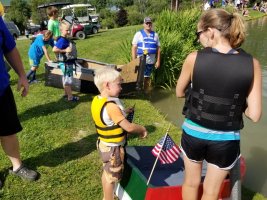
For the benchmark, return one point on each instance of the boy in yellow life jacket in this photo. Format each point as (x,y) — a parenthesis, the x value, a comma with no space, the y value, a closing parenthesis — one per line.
(111,124)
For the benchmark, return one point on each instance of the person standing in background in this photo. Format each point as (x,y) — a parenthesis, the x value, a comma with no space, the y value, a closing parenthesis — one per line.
(53,22)
(147,40)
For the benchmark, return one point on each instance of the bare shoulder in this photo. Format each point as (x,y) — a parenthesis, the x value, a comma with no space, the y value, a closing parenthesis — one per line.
(191,58)
(192,55)
(256,63)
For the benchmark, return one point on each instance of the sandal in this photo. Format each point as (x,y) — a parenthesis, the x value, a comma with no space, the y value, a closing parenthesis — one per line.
(24,173)
(74,99)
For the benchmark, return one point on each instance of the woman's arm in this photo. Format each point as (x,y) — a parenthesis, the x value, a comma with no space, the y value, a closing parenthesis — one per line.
(254,99)
(186,74)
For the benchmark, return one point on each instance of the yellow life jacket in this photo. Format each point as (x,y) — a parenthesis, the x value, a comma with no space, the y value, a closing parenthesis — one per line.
(107,133)
(2,10)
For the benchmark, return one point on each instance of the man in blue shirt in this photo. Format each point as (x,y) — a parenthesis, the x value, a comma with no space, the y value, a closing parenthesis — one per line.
(10,124)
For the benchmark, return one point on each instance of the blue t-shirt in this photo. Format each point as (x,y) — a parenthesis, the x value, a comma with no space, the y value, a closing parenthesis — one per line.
(62,43)
(7,44)
(36,51)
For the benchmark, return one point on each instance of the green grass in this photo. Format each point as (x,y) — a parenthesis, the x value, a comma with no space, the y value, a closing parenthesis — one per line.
(58,139)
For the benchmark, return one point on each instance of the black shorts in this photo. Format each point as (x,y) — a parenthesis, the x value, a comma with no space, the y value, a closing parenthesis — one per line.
(223,154)
(8,114)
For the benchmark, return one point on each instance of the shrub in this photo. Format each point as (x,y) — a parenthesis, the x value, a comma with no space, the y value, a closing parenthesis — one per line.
(121,17)
(177,35)
(134,16)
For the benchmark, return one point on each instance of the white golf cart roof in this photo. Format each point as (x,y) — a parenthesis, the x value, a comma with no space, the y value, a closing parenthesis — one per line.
(81,5)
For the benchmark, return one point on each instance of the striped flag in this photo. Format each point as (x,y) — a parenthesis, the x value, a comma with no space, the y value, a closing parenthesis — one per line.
(170,151)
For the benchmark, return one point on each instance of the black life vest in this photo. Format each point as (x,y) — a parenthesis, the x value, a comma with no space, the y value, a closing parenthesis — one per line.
(68,57)
(216,99)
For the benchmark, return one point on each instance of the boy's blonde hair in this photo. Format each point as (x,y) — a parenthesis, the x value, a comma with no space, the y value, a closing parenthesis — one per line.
(48,35)
(51,11)
(105,74)
(64,24)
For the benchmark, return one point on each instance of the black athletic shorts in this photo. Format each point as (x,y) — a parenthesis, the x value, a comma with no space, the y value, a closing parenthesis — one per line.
(223,154)
(9,122)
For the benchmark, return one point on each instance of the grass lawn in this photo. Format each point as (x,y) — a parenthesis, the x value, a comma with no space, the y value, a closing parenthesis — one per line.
(58,139)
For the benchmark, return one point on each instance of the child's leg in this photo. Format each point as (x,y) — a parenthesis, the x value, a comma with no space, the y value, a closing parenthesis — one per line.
(108,189)
(68,80)
(29,74)
(34,74)
(68,91)
(34,66)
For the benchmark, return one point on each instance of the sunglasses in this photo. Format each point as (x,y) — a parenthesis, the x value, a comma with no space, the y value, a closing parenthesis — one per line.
(148,23)
(198,33)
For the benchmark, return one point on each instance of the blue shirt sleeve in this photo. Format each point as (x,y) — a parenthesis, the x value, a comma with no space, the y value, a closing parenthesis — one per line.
(8,42)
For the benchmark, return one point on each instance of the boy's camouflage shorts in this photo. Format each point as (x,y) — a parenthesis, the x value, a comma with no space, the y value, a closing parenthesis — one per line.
(113,161)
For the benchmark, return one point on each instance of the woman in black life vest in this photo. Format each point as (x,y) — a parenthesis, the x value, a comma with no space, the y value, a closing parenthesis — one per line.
(221,82)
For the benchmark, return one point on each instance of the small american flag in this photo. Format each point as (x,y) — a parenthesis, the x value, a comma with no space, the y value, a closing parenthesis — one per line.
(170,151)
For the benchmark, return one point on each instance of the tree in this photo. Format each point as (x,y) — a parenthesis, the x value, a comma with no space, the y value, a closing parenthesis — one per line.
(121,17)
(120,3)
(19,12)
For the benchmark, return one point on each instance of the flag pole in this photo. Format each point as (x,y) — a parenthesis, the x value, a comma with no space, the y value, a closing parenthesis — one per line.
(153,168)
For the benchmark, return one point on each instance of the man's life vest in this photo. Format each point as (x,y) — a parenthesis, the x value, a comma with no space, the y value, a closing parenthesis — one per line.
(107,133)
(216,98)
(148,43)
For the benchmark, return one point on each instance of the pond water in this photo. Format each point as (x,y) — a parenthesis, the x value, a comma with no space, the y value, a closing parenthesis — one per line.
(254,135)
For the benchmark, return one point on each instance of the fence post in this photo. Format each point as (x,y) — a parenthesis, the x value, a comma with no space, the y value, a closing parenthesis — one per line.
(235,182)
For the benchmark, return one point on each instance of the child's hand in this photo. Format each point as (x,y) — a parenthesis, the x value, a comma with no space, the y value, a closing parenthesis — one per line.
(129,110)
(68,49)
(144,133)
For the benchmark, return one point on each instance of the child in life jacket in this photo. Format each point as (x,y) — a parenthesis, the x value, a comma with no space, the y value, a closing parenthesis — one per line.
(111,124)
(63,48)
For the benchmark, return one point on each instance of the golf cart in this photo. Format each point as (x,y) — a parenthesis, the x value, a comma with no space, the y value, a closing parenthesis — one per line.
(77,30)
(83,14)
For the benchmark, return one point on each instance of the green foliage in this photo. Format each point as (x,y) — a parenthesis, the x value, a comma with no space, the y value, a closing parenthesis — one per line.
(125,46)
(107,18)
(176,31)
(19,12)
(108,23)
(134,16)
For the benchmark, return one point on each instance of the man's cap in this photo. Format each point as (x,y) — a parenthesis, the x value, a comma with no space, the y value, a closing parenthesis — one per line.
(147,19)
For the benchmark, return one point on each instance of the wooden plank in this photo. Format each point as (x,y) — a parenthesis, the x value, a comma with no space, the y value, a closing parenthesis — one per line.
(129,71)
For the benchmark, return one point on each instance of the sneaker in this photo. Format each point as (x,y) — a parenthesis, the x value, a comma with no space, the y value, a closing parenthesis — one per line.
(33,81)
(73,99)
(24,173)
